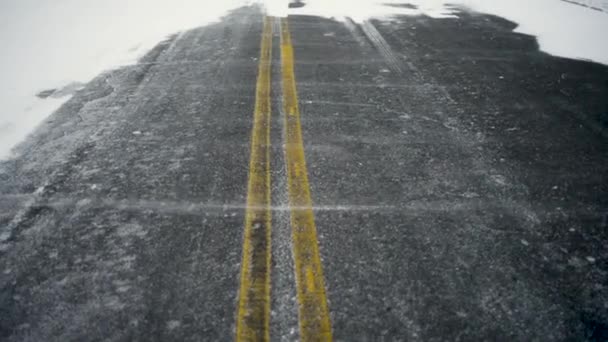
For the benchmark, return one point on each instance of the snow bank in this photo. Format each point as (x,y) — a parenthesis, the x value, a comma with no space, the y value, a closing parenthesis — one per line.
(562,28)
(48,44)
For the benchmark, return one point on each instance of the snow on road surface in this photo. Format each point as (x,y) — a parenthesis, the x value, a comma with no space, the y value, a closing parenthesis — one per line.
(51,44)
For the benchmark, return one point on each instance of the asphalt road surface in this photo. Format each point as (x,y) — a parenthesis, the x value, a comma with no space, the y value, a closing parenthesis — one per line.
(415,180)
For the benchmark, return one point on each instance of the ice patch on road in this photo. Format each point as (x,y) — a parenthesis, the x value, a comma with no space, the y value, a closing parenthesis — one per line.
(50,44)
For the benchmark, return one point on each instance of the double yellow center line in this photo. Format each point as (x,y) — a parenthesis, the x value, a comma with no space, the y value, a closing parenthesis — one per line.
(312,302)
(253,317)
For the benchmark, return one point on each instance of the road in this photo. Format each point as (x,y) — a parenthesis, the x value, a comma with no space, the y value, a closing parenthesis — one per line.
(304,178)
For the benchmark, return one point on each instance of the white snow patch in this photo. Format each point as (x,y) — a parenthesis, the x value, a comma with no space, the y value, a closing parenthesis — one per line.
(361,10)
(49,44)
(562,28)
(173,324)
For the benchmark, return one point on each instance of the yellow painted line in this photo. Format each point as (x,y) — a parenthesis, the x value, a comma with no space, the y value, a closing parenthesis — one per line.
(315,324)
(253,316)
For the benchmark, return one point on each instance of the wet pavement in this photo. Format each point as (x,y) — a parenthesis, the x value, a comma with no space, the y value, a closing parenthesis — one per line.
(457,177)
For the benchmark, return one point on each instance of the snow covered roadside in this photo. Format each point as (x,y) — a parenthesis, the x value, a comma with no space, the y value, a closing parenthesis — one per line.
(51,44)
(562,28)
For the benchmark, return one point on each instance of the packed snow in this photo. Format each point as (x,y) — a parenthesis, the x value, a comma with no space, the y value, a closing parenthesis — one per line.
(62,44)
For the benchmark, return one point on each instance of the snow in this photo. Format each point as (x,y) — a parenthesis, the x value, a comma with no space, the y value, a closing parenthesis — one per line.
(601,5)
(562,28)
(51,44)
(361,10)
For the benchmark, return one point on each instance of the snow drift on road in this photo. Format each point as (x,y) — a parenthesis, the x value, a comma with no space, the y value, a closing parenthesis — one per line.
(51,44)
